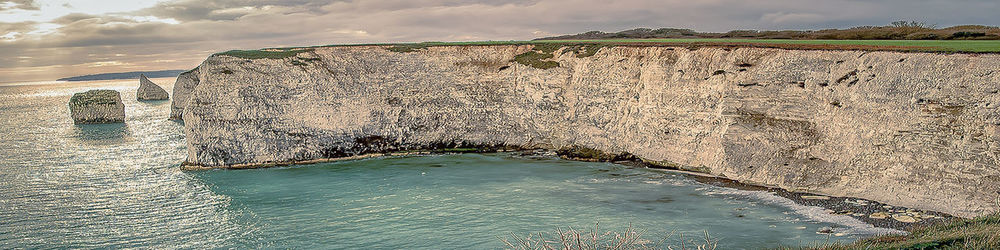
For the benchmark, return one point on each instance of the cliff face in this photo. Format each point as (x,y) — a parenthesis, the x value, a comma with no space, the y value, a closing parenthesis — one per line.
(910,129)
(185,83)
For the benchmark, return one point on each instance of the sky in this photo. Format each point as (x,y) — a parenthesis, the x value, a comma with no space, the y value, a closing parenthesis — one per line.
(48,39)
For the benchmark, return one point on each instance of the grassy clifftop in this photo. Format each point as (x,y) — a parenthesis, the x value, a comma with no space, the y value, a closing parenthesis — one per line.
(899,30)
(95,97)
(978,233)
(588,47)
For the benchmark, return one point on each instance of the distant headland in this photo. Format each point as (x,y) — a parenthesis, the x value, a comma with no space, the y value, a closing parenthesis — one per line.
(124,75)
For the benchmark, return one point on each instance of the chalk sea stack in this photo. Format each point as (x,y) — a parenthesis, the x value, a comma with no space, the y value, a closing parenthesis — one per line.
(97,106)
(149,91)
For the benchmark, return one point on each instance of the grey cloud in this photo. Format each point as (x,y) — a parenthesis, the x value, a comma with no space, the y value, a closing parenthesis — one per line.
(73,17)
(218,25)
(19,4)
(194,10)
(17,27)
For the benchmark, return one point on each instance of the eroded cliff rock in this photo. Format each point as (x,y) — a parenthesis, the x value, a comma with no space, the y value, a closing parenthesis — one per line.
(911,129)
(149,91)
(97,106)
(185,83)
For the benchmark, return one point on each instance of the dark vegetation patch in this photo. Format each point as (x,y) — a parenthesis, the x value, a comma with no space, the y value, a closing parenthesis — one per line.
(95,97)
(589,154)
(309,59)
(899,30)
(585,50)
(407,48)
(536,59)
(541,52)
(281,53)
(227,71)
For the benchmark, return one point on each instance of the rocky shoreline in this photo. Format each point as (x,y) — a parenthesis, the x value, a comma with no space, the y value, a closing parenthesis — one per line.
(871,212)
(868,211)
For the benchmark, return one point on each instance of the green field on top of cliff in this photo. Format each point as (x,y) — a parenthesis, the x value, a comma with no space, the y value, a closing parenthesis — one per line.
(934,46)
(953,46)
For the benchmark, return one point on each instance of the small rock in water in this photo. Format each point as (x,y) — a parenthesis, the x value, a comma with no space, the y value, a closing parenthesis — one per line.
(825,230)
(815,197)
(879,215)
(149,90)
(905,218)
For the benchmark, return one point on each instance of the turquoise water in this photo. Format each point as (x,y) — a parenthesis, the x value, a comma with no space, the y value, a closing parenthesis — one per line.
(98,186)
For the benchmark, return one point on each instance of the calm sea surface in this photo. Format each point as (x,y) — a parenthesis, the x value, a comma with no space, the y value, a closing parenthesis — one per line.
(99,186)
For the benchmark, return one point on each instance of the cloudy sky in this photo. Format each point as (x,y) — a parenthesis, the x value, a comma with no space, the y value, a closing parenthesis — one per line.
(49,39)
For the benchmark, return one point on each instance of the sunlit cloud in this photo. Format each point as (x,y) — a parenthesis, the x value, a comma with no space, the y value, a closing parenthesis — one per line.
(68,37)
(10,36)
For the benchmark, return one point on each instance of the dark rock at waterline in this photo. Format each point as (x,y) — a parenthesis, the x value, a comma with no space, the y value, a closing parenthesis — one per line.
(149,90)
(97,106)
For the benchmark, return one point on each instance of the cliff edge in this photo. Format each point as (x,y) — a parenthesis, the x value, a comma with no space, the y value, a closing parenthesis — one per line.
(917,130)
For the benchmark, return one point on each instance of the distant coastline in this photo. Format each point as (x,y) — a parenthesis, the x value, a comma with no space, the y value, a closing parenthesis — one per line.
(124,75)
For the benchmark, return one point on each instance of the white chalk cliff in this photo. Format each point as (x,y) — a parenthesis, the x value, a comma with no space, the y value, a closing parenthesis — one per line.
(919,130)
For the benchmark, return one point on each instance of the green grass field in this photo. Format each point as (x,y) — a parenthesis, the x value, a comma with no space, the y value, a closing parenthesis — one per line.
(978,46)
(932,45)
(942,46)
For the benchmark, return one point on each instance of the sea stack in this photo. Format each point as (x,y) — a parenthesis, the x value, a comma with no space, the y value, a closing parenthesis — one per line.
(97,106)
(149,91)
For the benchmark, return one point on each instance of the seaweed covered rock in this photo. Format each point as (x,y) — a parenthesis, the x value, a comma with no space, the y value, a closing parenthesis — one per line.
(149,91)
(97,106)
